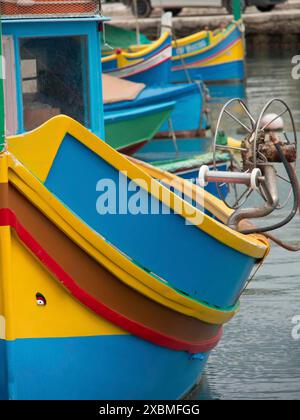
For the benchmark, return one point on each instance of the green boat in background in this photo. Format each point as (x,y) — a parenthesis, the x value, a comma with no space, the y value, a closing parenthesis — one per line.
(129,130)
(113,37)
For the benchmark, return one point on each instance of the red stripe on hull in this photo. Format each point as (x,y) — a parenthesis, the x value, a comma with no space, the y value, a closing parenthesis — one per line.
(8,218)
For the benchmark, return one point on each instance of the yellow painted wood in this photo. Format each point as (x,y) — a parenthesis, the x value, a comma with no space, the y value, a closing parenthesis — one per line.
(7,309)
(3,168)
(234,52)
(129,58)
(215,39)
(62,316)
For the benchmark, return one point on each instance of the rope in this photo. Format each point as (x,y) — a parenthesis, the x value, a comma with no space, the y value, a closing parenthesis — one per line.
(201,85)
(183,62)
(173,134)
(284,245)
(251,279)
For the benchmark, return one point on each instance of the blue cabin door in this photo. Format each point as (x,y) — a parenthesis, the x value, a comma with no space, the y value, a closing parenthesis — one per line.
(10,90)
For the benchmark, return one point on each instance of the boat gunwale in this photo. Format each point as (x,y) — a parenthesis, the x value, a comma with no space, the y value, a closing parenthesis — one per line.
(141,53)
(119,115)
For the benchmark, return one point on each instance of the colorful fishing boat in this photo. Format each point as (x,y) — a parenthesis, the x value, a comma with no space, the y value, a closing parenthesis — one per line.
(123,96)
(56,236)
(151,65)
(96,278)
(210,56)
(129,129)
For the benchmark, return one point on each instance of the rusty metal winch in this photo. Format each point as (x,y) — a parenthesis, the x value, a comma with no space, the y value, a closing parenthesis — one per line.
(257,165)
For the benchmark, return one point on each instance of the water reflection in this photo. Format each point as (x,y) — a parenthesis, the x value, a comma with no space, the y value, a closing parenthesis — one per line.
(258,358)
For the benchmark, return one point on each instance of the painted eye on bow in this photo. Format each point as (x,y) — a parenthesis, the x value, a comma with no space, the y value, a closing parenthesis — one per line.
(40,300)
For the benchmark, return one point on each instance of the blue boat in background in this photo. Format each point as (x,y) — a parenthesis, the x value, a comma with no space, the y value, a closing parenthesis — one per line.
(213,57)
(150,65)
(128,129)
(185,96)
(227,91)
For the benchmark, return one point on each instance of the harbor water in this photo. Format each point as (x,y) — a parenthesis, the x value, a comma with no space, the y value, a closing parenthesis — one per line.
(258,357)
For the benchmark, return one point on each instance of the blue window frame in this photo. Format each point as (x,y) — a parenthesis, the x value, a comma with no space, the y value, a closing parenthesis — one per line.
(43,49)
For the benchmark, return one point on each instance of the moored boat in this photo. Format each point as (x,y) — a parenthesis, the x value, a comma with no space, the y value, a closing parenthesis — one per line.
(187,116)
(43,215)
(107,290)
(213,57)
(129,129)
(151,65)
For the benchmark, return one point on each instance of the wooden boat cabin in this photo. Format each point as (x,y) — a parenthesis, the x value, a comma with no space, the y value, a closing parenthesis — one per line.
(53,63)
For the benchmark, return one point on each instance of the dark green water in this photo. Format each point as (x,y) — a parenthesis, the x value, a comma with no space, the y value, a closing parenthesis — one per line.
(258,358)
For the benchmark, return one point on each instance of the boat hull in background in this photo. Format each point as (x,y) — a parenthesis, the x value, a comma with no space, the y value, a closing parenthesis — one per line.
(220,60)
(128,130)
(187,114)
(151,65)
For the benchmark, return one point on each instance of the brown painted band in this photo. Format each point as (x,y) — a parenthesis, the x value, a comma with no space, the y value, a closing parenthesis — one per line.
(99,283)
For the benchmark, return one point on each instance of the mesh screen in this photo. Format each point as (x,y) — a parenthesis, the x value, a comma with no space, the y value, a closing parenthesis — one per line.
(42,8)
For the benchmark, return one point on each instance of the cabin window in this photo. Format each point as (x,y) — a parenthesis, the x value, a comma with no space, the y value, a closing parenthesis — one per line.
(54,75)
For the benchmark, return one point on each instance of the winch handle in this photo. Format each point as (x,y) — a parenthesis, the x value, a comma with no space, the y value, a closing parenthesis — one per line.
(250,179)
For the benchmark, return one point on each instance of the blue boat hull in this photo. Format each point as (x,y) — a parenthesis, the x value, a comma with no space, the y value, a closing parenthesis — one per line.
(120,367)
(227,91)
(222,62)
(152,68)
(154,76)
(187,113)
(227,72)
(166,149)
